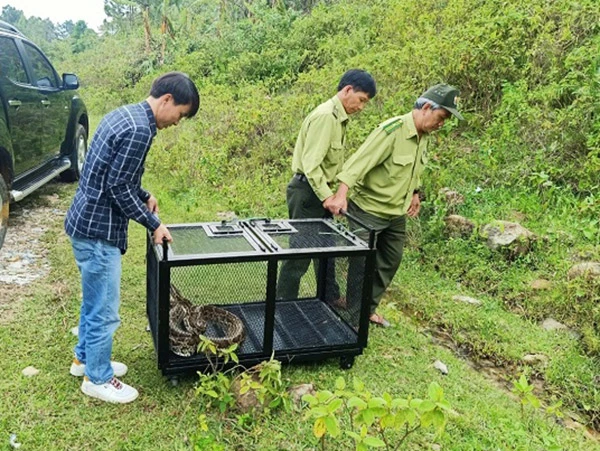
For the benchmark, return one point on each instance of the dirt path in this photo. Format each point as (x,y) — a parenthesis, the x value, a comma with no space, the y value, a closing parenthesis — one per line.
(23,258)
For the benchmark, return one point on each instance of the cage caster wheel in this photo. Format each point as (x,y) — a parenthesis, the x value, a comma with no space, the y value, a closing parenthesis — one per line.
(174,381)
(346,362)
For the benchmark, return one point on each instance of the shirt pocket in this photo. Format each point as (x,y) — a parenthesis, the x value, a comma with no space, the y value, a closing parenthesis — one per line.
(335,155)
(401,166)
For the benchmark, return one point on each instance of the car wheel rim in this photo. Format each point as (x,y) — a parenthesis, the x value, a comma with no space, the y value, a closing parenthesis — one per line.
(80,153)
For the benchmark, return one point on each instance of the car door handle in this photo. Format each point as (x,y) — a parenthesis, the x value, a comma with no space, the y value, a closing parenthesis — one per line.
(46,102)
(15,103)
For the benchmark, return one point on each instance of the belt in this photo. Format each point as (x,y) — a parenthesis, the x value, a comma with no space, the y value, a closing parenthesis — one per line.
(300,177)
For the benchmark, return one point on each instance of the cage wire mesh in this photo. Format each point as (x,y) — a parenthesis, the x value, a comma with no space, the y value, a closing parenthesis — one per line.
(238,288)
(311,235)
(190,240)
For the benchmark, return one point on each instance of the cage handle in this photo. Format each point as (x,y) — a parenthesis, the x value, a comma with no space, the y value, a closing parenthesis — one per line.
(364,225)
(165,246)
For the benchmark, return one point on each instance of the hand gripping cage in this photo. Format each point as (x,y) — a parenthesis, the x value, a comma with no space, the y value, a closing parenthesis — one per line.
(295,289)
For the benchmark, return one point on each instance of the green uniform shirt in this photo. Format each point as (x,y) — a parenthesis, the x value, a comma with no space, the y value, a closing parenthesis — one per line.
(319,151)
(387,168)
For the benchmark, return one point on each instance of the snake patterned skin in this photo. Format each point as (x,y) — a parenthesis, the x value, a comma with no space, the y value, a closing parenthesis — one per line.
(188,321)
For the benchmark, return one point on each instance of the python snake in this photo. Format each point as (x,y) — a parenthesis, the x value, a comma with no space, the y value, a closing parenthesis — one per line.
(188,321)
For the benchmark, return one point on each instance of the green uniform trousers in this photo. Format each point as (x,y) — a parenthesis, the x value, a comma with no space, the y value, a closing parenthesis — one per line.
(303,203)
(390,235)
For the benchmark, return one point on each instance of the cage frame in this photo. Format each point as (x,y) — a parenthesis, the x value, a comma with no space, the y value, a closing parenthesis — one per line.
(267,251)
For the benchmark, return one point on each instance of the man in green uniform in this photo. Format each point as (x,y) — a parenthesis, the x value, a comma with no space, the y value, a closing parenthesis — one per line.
(318,157)
(385,173)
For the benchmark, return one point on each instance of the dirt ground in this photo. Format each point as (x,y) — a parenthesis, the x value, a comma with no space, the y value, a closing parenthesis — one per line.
(23,257)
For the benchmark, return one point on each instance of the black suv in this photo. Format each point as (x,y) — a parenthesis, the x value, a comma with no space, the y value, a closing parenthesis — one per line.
(43,122)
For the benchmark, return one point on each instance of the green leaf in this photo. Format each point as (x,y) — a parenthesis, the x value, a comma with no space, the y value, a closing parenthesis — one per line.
(319,428)
(400,403)
(427,419)
(374,442)
(320,411)
(376,402)
(427,406)
(444,405)
(309,399)
(334,405)
(415,403)
(324,396)
(332,425)
(357,402)
(276,402)
(436,393)
(340,383)
(439,419)
(368,417)
(359,386)
(387,421)
(354,435)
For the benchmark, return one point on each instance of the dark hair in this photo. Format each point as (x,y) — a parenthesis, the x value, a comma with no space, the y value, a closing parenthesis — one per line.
(181,87)
(360,80)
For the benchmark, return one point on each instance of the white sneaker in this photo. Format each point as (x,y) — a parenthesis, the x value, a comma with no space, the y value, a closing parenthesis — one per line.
(78,368)
(112,391)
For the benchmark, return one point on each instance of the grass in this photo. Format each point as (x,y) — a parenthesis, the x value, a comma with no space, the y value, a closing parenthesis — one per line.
(48,412)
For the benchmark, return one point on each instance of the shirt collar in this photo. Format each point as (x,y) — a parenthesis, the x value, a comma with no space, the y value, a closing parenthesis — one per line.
(342,116)
(151,118)
(410,130)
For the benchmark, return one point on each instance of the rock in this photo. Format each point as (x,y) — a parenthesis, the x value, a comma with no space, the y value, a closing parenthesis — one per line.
(467,300)
(552,324)
(452,198)
(535,359)
(30,371)
(458,226)
(541,284)
(436,447)
(246,402)
(13,441)
(573,425)
(440,366)
(298,391)
(75,331)
(509,235)
(589,270)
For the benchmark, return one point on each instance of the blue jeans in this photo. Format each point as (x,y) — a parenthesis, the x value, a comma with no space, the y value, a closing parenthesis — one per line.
(99,263)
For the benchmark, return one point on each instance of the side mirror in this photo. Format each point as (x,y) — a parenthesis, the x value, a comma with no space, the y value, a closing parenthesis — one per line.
(70,81)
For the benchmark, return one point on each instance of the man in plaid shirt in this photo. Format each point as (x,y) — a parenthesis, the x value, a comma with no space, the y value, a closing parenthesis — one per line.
(108,196)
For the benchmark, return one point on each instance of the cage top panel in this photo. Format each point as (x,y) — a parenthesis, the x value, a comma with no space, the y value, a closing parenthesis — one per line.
(209,239)
(261,236)
(309,234)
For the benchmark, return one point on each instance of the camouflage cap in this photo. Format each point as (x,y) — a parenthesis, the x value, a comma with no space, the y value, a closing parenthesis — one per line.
(445,96)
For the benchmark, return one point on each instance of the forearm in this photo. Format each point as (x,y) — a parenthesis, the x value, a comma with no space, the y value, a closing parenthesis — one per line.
(126,199)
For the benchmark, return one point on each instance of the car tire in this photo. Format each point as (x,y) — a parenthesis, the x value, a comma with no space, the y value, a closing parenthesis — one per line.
(4,204)
(76,156)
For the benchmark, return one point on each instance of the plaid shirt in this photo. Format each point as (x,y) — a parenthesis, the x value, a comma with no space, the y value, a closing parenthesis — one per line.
(110,191)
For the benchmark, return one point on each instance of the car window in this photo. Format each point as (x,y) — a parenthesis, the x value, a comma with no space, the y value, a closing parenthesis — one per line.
(43,72)
(11,65)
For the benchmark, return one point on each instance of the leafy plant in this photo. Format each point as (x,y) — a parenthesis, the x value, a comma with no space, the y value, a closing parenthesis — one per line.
(372,420)
(225,390)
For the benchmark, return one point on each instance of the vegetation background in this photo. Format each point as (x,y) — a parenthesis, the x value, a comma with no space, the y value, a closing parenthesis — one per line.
(529,74)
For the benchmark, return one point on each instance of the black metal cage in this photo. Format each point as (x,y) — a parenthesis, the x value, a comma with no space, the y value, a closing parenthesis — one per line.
(298,289)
